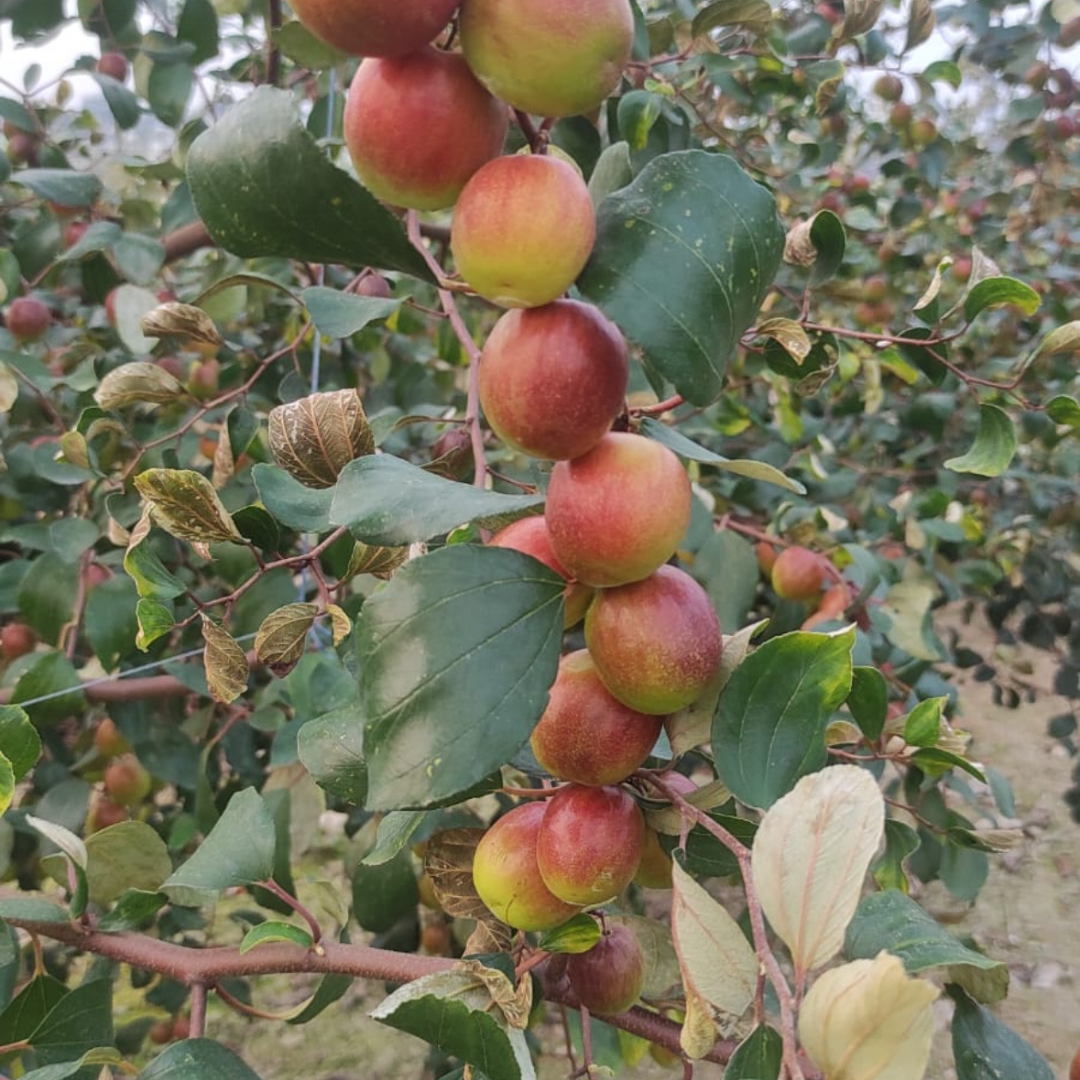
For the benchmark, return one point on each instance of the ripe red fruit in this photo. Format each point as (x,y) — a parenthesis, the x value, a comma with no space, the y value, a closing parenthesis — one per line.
(435,939)
(522,52)
(552,379)
(961,268)
(523,230)
(419,126)
(376,286)
(530,536)
(22,147)
(766,556)
(375,27)
(589,843)
(181,1028)
(104,813)
(608,978)
(108,740)
(799,574)
(126,781)
(114,65)
(161,1032)
(17,639)
(507,877)
(832,607)
(27,318)
(585,735)
(1074,1067)
(618,512)
(656,643)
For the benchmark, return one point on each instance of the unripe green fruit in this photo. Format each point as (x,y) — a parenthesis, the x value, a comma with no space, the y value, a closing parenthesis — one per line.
(553,379)
(548,57)
(507,877)
(530,537)
(656,643)
(798,574)
(585,735)
(609,977)
(27,318)
(589,843)
(419,126)
(375,27)
(126,781)
(618,512)
(523,230)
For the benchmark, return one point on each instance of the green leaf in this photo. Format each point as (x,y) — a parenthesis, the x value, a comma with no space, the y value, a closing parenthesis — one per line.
(944,71)
(922,727)
(198,25)
(454,1012)
(132,910)
(683,259)
(239,850)
(395,832)
(197,1059)
(727,566)
(706,856)
(168,90)
(577,935)
(273,931)
(458,652)
(984,1048)
(936,762)
(47,595)
(127,855)
(123,104)
(818,243)
(263,187)
(757,1057)
(19,740)
(769,728)
(81,1021)
(1064,410)
(331,748)
(612,172)
(382,894)
(888,869)
(7,783)
(51,674)
(686,448)
(155,620)
(386,501)
(868,700)
(755,15)
(302,47)
(100,1055)
(30,1007)
(30,909)
(994,446)
(111,620)
(63,186)
(993,292)
(290,502)
(340,315)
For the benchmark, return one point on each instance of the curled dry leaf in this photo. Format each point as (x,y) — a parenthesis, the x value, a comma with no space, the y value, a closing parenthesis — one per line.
(799,249)
(810,858)
(515,1003)
(707,797)
(340,623)
(789,335)
(698,1032)
(314,438)
(378,561)
(226,663)
(184,321)
(185,504)
(867,1020)
(139,383)
(282,637)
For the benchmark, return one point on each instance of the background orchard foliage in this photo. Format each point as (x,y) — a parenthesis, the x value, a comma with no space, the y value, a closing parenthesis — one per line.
(894,386)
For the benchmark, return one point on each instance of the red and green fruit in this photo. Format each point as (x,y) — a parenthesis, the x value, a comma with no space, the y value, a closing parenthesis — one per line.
(889,87)
(507,877)
(17,639)
(799,574)
(525,53)
(609,977)
(585,735)
(419,126)
(126,781)
(542,203)
(105,813)
(553,379)
(617,513)
(656,642)
(114,65)
(204,380)
(530,537)
(108,740)
(589,843)
(375,27)
(27,318)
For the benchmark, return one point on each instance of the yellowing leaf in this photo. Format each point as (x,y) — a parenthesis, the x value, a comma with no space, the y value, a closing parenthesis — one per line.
(699,1029)
(790,335)
(314,438)
(282,637)
(137,384)
(190,324)
(868,1020)
(340,623)
(185,504)
(810,858)
(9,388)
(379,561)
(716,960)
(226,663)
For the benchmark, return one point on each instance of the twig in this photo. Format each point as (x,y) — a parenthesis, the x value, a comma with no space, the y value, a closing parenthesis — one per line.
(271,886)
(198,1010)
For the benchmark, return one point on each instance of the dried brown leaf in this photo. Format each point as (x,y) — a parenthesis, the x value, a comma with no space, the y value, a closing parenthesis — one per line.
(139,383)
(226,663)
(282,637)
(314,438)
(340,623)
(184,321)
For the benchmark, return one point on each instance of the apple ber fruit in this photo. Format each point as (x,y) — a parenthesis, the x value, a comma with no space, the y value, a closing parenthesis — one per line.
(523,229)
(375,27)
(553,379)
(609,977)
(27,318)
(127,782)
(17,639)
(798,574)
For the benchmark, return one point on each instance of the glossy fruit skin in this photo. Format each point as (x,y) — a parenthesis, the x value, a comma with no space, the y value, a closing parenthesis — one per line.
(114,65)
(419,126)
(798,574)
(530,537)
(656,643)
(553,379)
(375,27)
(523,229)
(585,735)
(654,870)
(126,781)
(618,512)
(589,843)
(17,639)
(27,318)
(548,57)
(608,978)
(507,877)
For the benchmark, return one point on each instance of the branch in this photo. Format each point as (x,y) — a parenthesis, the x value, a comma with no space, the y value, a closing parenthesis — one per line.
(185,240)
(273,53)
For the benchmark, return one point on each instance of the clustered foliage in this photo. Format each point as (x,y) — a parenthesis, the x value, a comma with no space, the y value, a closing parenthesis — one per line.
(281,533)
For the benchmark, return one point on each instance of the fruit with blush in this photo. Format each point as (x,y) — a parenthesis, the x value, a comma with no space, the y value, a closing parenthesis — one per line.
(522,51)
(126,780)
(523,229)
(27,318)
(375,27)
(584,734)
(507,877)
(831,607)
(608,979)
(530,537)
(553,379)
(204,379)
(17,639)
(418,127)
(656,642)
(114,65)
(375,286)
(589,843)
(889,87)
(766,556)
(618,512)
(161,1032)
(799,574)
(108,740)
(104,813)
